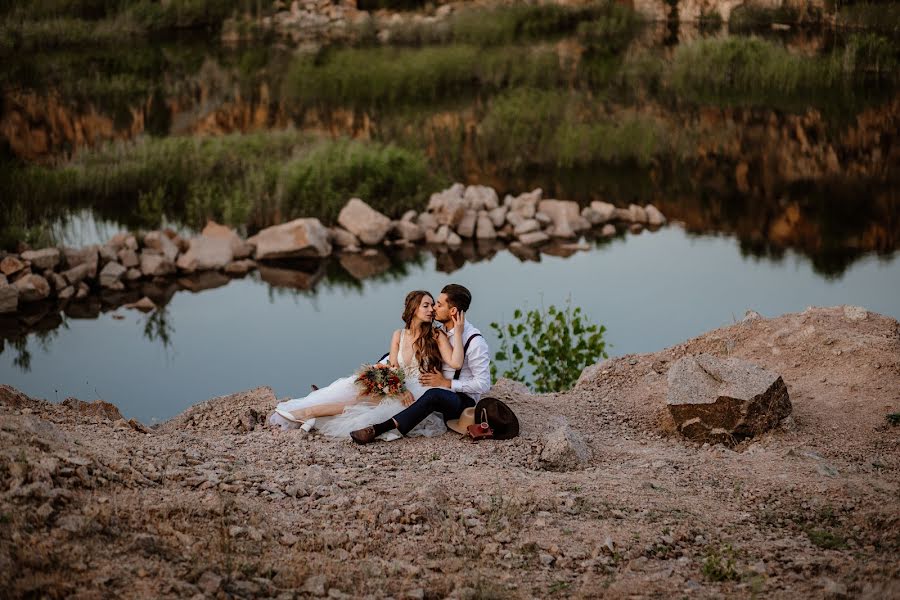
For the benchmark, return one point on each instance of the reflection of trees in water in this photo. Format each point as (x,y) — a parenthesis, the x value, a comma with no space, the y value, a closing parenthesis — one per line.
(19,342)
(159,328)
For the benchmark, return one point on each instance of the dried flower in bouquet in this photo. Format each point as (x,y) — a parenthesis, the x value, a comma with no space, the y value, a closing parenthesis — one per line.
(380,380)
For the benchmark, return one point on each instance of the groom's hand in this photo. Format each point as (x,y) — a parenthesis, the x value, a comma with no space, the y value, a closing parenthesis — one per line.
(434,380)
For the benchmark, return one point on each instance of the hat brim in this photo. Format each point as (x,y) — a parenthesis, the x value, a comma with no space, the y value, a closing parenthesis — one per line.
(454,425)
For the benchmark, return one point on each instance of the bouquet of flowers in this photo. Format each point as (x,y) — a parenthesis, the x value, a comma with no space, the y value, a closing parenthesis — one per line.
(380,380)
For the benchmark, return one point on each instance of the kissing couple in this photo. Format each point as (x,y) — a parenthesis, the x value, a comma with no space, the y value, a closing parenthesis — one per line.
(446,366)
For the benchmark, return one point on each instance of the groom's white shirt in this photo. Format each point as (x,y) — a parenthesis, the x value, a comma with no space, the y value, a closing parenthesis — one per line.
(475,376)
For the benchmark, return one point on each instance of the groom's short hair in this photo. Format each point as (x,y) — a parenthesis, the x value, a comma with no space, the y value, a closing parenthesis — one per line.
(458,296)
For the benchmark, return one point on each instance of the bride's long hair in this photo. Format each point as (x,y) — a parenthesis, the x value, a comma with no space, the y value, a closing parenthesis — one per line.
(428,355)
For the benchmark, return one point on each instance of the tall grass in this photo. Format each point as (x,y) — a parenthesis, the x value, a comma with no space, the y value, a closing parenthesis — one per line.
(379,77)
(253,180)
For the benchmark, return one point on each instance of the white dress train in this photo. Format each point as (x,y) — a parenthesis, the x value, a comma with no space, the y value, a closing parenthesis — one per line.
(338,410)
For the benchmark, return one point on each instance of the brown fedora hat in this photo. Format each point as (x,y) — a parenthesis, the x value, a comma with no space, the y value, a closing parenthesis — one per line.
(501,419)
(465,419)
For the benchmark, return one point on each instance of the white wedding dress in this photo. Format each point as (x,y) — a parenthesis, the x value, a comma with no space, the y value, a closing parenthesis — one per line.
(336,409)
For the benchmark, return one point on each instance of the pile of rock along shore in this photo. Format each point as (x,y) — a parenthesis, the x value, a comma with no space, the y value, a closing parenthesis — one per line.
(452,215)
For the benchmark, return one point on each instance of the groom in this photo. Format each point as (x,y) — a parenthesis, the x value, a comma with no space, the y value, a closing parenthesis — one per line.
(453,391)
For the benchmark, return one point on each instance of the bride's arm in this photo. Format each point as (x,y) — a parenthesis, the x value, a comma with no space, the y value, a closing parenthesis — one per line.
(454,356)
(395,349)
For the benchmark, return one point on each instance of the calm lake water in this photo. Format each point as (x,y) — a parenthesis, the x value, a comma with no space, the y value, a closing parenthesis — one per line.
(650,290)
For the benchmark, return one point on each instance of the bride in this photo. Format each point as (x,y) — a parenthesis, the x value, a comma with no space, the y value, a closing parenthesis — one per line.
(339,408)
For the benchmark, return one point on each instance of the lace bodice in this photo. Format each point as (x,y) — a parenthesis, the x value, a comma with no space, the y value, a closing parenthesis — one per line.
(410,368)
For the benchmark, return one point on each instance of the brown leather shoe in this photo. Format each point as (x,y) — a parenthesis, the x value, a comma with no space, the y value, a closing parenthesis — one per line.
(365,435)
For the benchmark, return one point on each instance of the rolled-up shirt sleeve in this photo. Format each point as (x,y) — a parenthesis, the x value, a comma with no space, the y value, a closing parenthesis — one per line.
(477,378)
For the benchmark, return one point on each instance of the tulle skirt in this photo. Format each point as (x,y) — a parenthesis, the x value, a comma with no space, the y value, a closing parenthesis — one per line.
(338,410)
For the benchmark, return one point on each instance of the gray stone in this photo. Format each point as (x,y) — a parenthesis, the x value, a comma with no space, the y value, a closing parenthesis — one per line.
(564,450)
(342,238)
(409,216)
(83,256)
(453,239)
(159,241)
(654,217)
(526,204)
(484,228)
(154,264)
(133,274)
(207,253)
(534,238)
(409,231)
(297,238)
(855,313)
(543,218)
(239,248)
(592,216)
(111,274)
(32,288)
(106,253)
(562,229)
(209,582)
(604,211)
(46,258)
(724,400)
(481,197)
(638,214)
(466,227)
(437,237)
(427,221)
(498,216)
(128,258)
(526,226)
(363,221)
(560,211)
(9,296)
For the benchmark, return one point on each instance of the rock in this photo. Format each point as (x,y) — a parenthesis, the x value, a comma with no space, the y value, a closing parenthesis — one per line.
(654,217)
(145,304)
(10,265)
(635,228)
(543,218)
(484,229)
(239,248)
(409,216)
(526,226)
(855,313)
(481,197)
(560,211)
(65,293)
(82,291)
(609,230)
(77,274)
(363,221)
(509,388)
(111,274)
(580,224)
(133,274)
(453,239)
(159,241)
(154,264)
(751,315)
(106,254)
(314,585)
(207,254)
(604,211)
(9,296)
(526,204)
(84,256)
(57,281)
(117,242)
(97,408)
(498,216)
(561,230)
(638,214)
(32,288)
(438,237)
(342,238)
(203,280)
(466,227)
(409,231)
(128,258)
(210,583)
(362,266)
(724,401)
(622,214)
(240,267)
(46,258)
(592,216)
(514,218)
(297,238)
(427,221)
(534,238)
(564,450)
(524,253)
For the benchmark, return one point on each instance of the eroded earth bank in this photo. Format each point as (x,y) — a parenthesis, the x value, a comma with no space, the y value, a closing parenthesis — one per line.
(214,503)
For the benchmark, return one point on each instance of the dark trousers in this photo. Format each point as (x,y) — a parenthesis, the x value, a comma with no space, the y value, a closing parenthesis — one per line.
(449,403)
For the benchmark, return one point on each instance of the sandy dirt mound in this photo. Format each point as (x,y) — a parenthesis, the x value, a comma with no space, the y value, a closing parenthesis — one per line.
(597,497)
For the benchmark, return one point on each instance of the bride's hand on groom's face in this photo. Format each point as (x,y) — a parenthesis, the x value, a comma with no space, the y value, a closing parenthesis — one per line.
(459,321)
(434,380)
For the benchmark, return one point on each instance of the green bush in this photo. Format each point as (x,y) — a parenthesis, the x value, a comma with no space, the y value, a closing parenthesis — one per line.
(554,345)
(719,564)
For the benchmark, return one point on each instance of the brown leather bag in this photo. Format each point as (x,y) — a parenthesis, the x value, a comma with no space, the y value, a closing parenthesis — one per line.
(481,431)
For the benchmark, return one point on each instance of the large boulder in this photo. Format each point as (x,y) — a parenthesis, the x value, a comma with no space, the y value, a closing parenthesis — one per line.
(725,400)
(363,266)
(481,197)
(207,253)
(484,228)
(297,238)
(83,256)
(466,227)
(409,231)
(342,238)
(561,212)
(77,274)
(526,204)
(363,221)
(42,260)
(9,296)
(10,265)
(603,211)
(654,217)
(448,206)
(159,241)
(239,248)
(564,450)
(32,288)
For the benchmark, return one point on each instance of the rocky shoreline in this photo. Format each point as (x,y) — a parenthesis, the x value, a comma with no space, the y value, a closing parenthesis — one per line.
(599,497)
(524,222)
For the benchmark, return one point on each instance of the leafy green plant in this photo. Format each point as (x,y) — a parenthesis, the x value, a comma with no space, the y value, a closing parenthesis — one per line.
(719,564)
(554,344)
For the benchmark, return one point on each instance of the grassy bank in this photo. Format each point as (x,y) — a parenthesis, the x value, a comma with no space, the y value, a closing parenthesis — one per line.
(252,180)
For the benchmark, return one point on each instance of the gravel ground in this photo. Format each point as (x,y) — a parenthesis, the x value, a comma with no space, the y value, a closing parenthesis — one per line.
(215,504)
